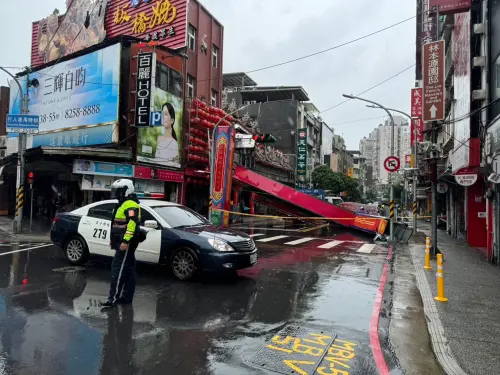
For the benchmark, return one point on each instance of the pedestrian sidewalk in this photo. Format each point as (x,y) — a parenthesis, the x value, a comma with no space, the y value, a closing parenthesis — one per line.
(467,327)
(40,229)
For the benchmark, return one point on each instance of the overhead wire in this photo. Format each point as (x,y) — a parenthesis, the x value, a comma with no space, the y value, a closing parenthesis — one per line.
(318,52)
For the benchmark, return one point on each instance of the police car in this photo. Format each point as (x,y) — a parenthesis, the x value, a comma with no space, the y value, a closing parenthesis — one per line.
(177,237)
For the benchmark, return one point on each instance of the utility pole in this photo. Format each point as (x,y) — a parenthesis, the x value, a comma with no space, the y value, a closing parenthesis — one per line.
(21,148)
(434,177)
(415,162)
(391,193)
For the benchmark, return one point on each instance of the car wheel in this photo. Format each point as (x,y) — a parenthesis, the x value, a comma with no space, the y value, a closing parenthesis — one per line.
(184,264)
(76,250)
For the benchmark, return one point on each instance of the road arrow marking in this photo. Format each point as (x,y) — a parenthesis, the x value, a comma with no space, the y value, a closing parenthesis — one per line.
(433,111)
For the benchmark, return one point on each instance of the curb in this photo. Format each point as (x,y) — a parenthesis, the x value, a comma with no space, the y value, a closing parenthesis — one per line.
(25,237)
(439,342)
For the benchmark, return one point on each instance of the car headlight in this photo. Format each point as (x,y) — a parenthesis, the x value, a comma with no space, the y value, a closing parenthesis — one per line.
(220,245)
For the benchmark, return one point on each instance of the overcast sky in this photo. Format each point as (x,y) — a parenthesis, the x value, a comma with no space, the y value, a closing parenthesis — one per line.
(259,33)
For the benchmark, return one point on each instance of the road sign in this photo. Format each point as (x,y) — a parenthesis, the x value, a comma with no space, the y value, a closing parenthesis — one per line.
(442,187)
(22,123)
(465,177)
(434,80)
(391,164)
(155,119)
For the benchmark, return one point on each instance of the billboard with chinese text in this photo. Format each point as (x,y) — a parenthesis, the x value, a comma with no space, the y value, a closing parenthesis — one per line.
(162,144)
(164,21)
(73,95)
(451,6)
(302,152)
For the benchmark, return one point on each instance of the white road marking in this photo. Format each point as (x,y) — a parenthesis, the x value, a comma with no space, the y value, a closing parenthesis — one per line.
(269,239)
(300,240)
(366,248)
(32,244)
(330,244)
(256,234)
(25,249)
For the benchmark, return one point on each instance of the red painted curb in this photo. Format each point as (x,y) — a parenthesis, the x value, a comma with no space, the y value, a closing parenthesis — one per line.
(378,356)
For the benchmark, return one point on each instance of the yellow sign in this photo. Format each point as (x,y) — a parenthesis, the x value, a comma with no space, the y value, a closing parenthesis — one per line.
(162,13)
(350,172)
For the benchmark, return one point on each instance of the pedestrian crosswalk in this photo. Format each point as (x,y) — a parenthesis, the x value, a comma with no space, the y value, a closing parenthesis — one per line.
(315,242)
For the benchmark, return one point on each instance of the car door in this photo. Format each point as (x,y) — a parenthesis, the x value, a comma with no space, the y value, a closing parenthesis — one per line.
(149,250)
(95,228)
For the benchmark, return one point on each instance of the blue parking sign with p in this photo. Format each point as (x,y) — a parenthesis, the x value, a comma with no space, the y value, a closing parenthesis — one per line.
(155,119)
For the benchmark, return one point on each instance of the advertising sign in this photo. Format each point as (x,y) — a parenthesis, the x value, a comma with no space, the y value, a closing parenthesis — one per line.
(419,124)
(22,124)
(164,21)
(465,177)
(97,183)
(74,94)
(162,144)
(102,168)
(416,102)
(148,173)
(302,152)
(60,36)
(146,65)
(460,156)
(434,80)
(442,187)
(451,6)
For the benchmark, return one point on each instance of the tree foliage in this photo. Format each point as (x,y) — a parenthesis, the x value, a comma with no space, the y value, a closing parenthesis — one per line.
(324,178)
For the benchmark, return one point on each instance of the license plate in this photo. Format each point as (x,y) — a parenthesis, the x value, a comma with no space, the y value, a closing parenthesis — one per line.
(253,258)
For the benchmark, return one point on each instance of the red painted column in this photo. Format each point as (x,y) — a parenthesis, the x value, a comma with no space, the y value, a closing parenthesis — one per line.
(252,203)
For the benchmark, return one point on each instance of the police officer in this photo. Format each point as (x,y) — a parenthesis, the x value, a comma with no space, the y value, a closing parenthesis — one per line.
(124,240)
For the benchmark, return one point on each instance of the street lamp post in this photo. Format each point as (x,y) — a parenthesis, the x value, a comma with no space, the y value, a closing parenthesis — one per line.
(415,161)
(18,219)
(391,194)
(212,151)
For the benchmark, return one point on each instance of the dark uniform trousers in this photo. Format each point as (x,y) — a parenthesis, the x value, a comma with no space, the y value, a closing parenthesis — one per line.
(123,274)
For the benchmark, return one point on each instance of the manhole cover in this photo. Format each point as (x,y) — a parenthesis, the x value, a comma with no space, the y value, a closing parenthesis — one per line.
(351,270)
(69,269)
(293,349)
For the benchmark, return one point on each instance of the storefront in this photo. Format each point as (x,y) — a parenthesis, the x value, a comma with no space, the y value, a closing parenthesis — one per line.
(162,181)
(96,177)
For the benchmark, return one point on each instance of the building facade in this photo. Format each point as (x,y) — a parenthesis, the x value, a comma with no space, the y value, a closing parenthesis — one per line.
(92,136)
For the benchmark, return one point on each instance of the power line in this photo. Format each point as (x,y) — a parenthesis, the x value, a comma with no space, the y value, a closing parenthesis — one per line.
(319,52)
(371,88)
(332,48)
(358,120)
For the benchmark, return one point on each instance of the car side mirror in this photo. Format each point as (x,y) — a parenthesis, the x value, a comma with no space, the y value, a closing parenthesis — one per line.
(152,224)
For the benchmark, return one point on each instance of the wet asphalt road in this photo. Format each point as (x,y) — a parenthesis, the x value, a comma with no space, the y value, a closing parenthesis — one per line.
(305,308)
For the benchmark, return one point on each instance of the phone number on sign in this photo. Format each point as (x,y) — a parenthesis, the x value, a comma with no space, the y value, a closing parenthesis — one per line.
(84,111)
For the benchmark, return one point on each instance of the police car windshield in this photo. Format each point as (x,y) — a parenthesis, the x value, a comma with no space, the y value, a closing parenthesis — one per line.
(180,217)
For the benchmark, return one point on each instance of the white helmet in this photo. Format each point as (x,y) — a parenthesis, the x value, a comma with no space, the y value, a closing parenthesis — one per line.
(122,188)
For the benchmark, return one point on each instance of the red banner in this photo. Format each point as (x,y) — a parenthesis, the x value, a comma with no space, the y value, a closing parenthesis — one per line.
(148,173)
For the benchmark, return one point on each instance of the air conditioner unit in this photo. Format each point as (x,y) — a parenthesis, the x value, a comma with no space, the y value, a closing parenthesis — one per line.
(479,28)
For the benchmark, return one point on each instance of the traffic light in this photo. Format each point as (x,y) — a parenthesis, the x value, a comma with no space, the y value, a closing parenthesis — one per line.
(31,177)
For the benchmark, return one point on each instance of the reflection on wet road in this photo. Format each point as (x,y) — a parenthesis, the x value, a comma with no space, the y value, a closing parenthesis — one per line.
(305,308)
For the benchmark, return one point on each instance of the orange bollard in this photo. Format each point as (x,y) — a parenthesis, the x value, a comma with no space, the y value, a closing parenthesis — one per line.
(427,265)
(440,280)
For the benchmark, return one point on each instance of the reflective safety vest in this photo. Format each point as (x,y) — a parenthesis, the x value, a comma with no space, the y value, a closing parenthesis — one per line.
(125,222)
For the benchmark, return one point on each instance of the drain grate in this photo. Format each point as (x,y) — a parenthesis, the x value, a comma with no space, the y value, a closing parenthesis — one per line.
(293,346)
